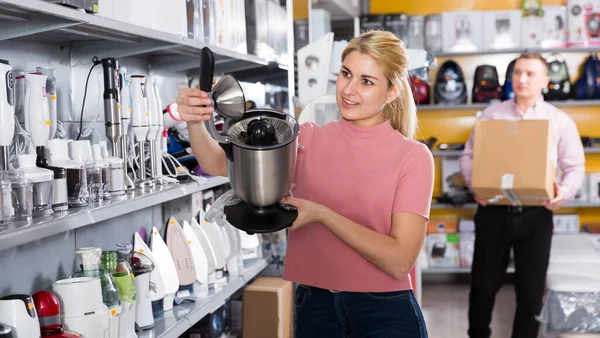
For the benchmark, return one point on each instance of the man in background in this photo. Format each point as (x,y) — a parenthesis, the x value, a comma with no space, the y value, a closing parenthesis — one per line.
(527,230)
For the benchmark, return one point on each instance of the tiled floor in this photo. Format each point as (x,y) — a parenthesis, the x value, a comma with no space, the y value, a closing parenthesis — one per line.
(445,306)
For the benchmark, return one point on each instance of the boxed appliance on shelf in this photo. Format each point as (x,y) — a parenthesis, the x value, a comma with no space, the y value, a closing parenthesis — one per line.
(446,225)
(566,223)
(462,31)
(466,246)
(502,29)
(466,225)
(583,23)
(514,162)
(554,26)
(594,187)
(397,24)
(257,29)
(443,250)
(275,299)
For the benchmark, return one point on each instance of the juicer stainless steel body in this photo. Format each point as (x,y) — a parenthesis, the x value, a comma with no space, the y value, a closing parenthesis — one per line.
(261,176)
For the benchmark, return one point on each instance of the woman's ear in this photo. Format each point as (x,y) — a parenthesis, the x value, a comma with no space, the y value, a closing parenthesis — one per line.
(392,94)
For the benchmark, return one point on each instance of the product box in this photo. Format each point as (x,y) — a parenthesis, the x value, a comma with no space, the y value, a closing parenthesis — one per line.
(268,308)
(369,22)
(554,26)
(442,250)
(454,185)
(433,33)
(466,225)
(501,29)
(583,23)
(462,31)
(514,162)
(397,24)
(566,224)
(416,32)
(447,225)
(594,187)
(583,194)
(466,248)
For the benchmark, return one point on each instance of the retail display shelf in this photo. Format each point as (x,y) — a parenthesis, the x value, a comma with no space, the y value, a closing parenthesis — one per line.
(184,316)
(473,205)
(91,35)
(75,218)
(461,269)
(518,51)
(481,106)
(452,153)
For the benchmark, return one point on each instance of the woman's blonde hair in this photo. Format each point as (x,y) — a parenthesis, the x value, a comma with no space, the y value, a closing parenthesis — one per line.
(390,54)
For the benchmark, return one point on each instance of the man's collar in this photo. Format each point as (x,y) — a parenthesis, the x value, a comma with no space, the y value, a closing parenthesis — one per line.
(535,104)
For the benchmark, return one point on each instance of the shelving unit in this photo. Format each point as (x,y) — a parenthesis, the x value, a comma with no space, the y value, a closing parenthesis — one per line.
(481,106)
(91,35)
(460,269)
(459,152)
(184,316)
(518,51)
(80,217)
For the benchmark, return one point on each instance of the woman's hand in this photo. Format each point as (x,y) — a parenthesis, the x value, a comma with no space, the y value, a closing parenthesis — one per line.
(194,105)
(308,212)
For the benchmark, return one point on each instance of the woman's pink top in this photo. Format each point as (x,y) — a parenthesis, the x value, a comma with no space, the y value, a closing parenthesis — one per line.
(365,174)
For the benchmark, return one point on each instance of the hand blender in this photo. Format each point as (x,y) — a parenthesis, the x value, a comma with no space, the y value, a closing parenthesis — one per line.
(139,123)
(112,106)
(7,111)
(125,122)
(50,73)
(161,141)
(37,116)
(153,130)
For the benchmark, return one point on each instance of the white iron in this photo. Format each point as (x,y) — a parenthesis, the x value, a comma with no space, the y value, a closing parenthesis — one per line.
(200,260)
(207,246)
(157,284)
(165,262)
(184,261)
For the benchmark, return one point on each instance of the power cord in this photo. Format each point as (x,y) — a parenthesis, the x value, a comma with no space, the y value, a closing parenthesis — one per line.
(96,62)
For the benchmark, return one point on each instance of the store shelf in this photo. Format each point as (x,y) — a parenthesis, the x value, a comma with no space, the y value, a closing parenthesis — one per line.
(449,270)
(79,217)
(186,315)
(518,51)
(90,35)
(474,205)
(453,153)
(481,106)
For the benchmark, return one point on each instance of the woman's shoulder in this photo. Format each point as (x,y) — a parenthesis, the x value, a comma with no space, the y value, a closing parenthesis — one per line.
(413,151)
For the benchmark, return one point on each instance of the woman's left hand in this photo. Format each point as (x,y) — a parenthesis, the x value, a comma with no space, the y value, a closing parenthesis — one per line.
(308,212)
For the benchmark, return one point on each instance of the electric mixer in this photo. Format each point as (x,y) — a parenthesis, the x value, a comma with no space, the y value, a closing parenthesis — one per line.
(125,123)
(50,74)
(140,123)
(153,116)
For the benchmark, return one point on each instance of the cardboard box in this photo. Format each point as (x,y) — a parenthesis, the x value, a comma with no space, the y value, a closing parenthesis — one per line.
(467,248)
(268,308)
(514,162)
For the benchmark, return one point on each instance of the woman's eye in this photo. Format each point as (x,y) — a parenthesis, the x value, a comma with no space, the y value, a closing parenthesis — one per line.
(367,82)
(345,73)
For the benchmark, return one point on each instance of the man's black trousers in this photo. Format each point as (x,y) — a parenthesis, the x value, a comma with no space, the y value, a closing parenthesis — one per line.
(528,231)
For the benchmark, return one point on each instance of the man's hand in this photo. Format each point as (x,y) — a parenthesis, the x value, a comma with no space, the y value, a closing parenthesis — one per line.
(557,201)
(480,201)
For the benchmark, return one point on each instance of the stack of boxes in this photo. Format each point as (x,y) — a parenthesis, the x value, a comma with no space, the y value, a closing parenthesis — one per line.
(450,242)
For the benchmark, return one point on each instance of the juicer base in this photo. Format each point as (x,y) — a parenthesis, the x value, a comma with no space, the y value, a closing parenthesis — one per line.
(254,220)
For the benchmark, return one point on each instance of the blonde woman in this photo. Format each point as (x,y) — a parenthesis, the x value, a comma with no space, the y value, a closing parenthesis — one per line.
(363,191)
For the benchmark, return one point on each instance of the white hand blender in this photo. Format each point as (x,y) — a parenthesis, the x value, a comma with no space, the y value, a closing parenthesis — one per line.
(140,123)
(37,115)
(153,129)
(7,111)
(125,122)
(161,139)
(51,97)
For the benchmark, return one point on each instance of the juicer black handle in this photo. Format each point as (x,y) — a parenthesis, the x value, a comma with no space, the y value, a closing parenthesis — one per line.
(207,69)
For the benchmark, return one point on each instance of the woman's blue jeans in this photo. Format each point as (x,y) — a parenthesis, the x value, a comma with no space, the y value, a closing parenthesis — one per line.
(323,313)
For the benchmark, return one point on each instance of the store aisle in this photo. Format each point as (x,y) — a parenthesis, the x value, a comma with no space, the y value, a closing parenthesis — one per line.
(445,307)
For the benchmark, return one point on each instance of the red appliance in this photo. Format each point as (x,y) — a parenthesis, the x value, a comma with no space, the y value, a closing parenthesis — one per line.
(420,90)
(48,310)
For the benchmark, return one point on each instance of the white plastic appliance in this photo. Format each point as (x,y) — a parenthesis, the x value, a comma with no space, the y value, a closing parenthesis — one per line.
(82,309)
(207,246)
(36,113)
(161,143)
(18,312)
(157,285)
(153,137)
(140,123)
(116,182)
(200,261)
(50,74)
(7,111)
(168,270)
(57,155)
(184,261)
(125,123)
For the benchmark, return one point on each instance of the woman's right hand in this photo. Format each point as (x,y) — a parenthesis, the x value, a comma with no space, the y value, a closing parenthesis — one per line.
(194,105)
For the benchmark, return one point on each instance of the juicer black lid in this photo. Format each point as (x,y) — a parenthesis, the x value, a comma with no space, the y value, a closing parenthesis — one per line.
(252,220)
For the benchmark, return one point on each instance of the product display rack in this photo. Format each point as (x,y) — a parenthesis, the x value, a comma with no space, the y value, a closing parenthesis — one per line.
(79,217)
(587,150)
(458,269)
(90,35)
(481,106)
(519,51)
(184,316)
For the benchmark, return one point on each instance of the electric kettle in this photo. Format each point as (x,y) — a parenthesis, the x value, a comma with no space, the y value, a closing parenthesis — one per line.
(261,149)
